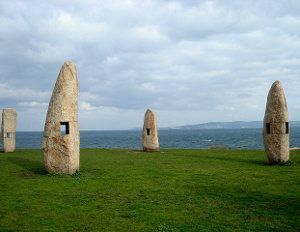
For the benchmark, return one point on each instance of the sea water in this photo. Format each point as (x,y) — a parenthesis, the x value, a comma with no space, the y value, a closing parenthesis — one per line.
(194,139)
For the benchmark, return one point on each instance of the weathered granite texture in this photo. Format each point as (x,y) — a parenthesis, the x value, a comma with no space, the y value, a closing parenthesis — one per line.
(150,135)
(8,129)
(276,126)
(61,151)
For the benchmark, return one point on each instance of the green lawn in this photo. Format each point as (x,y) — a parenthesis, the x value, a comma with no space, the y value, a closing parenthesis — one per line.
(172,190)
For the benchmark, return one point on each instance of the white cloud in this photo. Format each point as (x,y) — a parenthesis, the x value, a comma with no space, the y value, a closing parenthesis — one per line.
(9,93)
(148,33)
(85,106)
(33,104)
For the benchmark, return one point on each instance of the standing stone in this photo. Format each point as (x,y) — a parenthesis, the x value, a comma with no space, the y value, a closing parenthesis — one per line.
(61,133)
(8,128)
(276,126)
(150,135)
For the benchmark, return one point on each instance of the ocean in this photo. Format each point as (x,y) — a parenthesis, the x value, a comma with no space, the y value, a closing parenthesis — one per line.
(194,139)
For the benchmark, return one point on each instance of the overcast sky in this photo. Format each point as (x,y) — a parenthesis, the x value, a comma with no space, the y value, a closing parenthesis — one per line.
(190,61)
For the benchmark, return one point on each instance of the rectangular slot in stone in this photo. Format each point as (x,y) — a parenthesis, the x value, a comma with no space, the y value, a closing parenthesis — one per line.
(148,131)
(64,128)
(8,135)
(268,128)
(286,127)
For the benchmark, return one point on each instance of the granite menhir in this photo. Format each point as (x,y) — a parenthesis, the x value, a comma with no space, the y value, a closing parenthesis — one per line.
(276,126)
(8,129)
(150,135)
(61,133)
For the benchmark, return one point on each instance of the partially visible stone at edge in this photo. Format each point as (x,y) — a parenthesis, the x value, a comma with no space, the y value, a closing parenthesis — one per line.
(150,134)
(61,133)
(8,129)
(276,126)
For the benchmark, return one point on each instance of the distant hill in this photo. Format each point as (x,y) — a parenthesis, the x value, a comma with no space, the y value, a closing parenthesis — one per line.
(221,125)
(229,125)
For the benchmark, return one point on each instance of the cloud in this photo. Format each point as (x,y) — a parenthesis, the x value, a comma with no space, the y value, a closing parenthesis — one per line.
(85,106)
(11,94)
(33,104)
(198,61)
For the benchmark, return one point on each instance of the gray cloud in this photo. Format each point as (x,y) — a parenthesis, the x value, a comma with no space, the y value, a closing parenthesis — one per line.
(192,61)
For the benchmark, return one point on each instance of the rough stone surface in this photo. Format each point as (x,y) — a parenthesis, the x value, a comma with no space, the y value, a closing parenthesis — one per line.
(61,151)
(276,128)
(8,129)
(150,135)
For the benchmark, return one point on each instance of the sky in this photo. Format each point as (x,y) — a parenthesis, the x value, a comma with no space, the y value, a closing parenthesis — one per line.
(189,61)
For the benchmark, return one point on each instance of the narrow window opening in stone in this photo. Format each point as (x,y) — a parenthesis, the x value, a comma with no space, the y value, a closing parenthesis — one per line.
(64,128)
(8,135)
(268,128)
(148,131)
(286,127)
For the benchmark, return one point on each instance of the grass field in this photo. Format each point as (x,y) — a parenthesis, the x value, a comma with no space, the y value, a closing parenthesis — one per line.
(172,190)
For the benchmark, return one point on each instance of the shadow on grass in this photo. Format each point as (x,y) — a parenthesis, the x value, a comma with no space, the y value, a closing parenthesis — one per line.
(32,167)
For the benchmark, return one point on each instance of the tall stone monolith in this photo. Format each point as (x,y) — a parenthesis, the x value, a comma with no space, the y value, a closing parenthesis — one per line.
(61,132)
(8,129)
(276,126)
(150,134)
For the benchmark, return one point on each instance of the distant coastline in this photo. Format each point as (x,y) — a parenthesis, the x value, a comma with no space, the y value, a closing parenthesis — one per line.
(223,125)
(229,125)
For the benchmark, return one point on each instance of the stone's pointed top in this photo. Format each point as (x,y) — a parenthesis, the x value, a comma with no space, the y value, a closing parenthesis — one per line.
(277,86)
(69,64)
(276,90)
(149,111)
